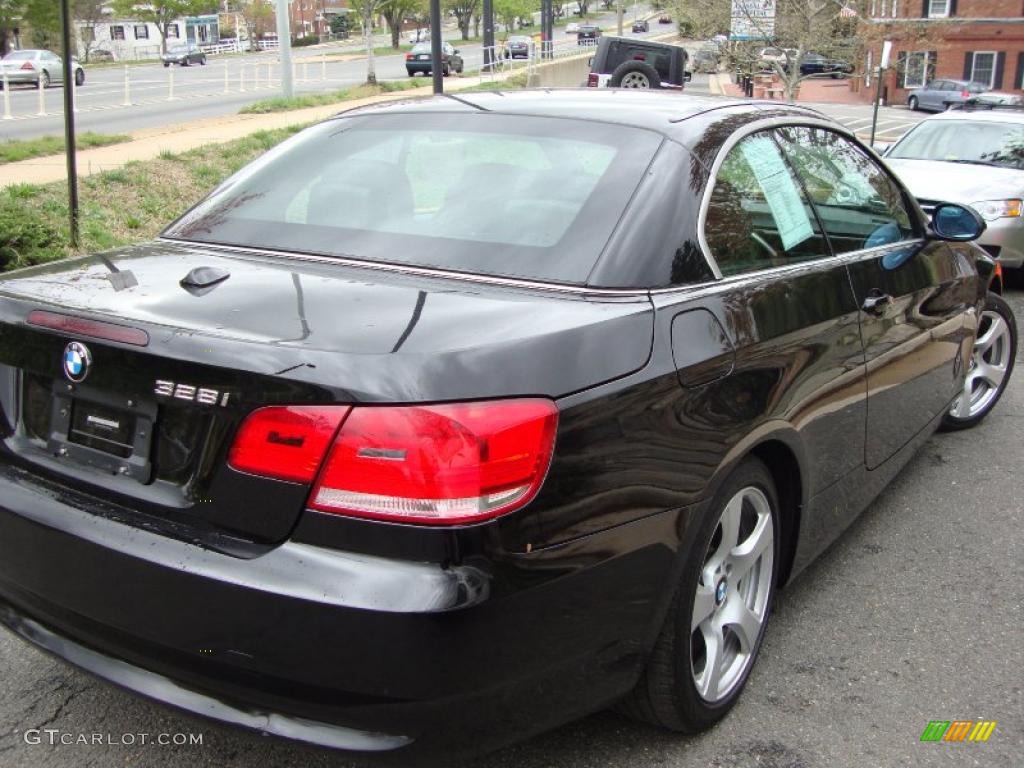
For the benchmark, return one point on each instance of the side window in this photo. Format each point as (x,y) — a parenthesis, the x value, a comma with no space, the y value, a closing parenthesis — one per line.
(758,216)
(859,205)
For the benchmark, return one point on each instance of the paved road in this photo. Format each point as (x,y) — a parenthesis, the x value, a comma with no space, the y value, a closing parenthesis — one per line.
(915,614)
(220,88)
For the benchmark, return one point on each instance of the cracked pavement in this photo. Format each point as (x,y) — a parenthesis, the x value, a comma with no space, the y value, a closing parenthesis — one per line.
(915,614)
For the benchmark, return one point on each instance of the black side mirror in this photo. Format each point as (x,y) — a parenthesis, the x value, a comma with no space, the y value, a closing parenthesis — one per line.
(958,223)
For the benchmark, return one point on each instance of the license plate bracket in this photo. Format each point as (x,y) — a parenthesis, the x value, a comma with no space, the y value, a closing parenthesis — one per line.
(106,431)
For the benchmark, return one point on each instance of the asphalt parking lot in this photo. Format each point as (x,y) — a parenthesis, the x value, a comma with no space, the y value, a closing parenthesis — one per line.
(914,615)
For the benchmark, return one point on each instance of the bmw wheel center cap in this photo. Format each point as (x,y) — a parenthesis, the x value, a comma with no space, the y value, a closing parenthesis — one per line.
(721,591)
(77,361)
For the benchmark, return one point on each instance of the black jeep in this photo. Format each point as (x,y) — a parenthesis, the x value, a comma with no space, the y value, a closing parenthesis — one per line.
(622,62)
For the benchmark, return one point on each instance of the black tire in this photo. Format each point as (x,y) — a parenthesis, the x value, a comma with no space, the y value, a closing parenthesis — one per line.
(1005,349)
(666,694)
(445,71)
(167,63)
(202,61)
(79,77)
(44,80)
(912,103)
(634,72)
(411,74)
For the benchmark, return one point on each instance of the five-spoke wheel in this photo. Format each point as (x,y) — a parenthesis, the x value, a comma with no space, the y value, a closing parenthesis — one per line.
(714,628)
(731,601)
(989,367)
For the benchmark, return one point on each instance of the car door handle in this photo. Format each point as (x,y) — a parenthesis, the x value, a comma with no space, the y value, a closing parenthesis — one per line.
(876,302)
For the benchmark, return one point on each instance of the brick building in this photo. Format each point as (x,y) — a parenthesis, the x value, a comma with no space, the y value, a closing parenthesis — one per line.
(980,40)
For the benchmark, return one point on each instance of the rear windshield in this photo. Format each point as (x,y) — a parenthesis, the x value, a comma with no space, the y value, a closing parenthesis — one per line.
(20,56)
(421,48)
(514,196)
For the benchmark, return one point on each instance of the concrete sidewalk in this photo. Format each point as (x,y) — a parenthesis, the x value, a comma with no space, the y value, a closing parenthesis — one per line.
(817,91)
(148,144)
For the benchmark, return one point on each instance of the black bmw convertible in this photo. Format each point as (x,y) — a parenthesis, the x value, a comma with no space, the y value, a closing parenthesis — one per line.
(448,421)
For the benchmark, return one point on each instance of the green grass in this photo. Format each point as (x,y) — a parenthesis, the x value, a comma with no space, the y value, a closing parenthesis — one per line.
(282,104)
(118,206)
(13,151)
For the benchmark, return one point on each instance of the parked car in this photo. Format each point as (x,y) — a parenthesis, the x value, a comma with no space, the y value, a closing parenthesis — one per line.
(939,95)
(771,55)
(572,28)
(706,60)
(101,55)
(816,64)
(37,67)
(518,47)
(996,98)
(972,157)
(184,55)
(664,19)
(625,62)
(307,479)
(588,34)
(419,60)
(641,25)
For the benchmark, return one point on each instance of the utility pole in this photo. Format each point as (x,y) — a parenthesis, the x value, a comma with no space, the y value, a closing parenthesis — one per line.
(435,46)
(488,34)
(284,48)
(69,119)
(547,28)
(619,14)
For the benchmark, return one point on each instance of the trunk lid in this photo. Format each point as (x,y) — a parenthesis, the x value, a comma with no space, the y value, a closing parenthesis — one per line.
(150,426)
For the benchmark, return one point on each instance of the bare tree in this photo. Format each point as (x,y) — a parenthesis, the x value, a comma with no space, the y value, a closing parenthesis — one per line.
(88,13)
(368,10)
(395,12)
(463,10)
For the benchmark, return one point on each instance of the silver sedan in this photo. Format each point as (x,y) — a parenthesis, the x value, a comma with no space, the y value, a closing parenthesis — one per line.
(36,67)
(972,157)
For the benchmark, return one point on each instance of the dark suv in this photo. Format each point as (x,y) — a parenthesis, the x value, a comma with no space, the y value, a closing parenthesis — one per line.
(622,62)
(588,34)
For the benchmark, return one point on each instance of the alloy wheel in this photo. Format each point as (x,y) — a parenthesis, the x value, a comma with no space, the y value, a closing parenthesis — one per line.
(733,595)
(989,363)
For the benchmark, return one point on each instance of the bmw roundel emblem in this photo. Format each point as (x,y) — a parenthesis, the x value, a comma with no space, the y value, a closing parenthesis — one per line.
(77,361)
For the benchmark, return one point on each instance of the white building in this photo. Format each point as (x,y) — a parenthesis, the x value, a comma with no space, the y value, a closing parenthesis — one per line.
(130,39)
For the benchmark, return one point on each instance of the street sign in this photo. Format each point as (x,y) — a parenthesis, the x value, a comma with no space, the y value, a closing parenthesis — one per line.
(752,20)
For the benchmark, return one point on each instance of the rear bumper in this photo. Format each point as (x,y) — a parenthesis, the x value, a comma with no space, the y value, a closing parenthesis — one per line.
(16,78)
(341,650)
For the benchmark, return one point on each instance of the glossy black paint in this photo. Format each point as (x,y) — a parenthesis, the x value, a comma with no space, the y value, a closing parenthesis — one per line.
(387,637)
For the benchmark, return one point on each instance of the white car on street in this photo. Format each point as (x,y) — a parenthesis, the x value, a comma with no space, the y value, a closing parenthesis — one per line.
(973,157)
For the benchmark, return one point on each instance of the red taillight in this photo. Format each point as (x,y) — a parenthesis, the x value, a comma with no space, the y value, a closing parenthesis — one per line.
(28,65)
(286,442)
(408,57)
(438,464)
(965,94)
(431,464)
(592,80)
